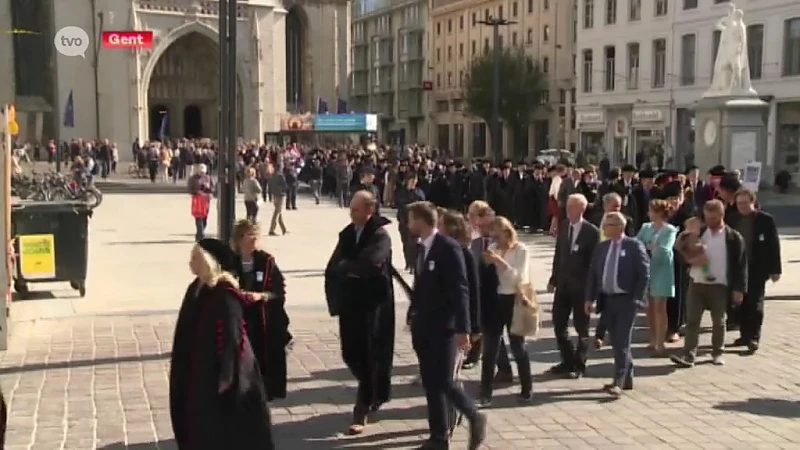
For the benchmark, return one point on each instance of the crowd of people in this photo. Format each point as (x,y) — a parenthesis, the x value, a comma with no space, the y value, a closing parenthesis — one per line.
(669,245)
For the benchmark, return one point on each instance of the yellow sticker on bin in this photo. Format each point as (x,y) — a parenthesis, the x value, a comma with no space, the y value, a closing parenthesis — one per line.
(37,256)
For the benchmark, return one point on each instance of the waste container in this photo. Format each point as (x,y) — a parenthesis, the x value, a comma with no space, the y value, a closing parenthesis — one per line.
(50,243)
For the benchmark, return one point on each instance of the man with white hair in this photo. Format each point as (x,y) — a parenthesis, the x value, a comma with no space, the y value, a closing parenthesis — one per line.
(575,243)
(618,275)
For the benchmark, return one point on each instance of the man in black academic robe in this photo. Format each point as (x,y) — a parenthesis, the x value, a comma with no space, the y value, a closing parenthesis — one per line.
(358,288)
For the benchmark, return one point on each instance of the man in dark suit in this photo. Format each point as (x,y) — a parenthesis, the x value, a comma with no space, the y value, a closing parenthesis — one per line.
(439,318)
(763,248)
(487,286)
(717,275)
(619,273)
(575,245)
(642,194)
(358,289)
(626,184)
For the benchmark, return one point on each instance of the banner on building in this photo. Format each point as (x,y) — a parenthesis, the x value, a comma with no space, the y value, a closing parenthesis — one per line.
(356,123)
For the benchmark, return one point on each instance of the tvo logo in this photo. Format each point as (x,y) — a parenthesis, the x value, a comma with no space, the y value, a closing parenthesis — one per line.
(71,41)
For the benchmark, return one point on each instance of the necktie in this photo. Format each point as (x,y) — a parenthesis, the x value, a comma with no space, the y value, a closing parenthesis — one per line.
(570,234)
(420,257)
(611,270)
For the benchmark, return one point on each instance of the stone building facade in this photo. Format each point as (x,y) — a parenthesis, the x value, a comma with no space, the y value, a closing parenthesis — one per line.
(178,76)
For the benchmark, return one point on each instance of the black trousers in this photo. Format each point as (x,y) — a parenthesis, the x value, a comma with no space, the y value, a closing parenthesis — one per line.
(291,196)
(409,245)
(492,337)
(568,303)
(752,313)
(437,359)
(251,208)
(676,306)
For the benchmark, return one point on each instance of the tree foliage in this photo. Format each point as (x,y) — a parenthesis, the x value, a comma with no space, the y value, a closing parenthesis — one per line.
(522,85)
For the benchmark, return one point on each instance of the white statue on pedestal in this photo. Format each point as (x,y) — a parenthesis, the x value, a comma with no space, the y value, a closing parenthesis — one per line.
(731,75)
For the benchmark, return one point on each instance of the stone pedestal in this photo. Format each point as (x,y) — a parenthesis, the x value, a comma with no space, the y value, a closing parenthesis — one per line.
(730,131)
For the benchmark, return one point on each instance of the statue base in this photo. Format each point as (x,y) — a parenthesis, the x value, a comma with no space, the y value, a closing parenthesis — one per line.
(730,131)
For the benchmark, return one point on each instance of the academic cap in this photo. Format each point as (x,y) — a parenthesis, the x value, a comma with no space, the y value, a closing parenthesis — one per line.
(646,173)
(717,171)
(628,168)
(220,251)
(672,189)
(730,182)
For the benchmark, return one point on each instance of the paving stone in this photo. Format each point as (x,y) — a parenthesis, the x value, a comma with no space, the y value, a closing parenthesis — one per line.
(99,378)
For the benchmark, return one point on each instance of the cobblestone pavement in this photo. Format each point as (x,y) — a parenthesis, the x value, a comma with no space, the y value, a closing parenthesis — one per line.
(101,382)
(91,373)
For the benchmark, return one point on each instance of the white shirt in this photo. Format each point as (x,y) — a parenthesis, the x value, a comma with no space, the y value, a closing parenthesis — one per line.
(717,254)
(576,228)
(427,243)
(517,272)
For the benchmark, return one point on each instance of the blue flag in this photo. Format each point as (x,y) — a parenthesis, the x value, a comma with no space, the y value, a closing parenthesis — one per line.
(341,106)
(162,132)
(69,112)
(322,106)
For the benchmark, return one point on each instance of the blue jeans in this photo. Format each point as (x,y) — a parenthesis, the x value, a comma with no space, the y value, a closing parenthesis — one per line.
(200,228)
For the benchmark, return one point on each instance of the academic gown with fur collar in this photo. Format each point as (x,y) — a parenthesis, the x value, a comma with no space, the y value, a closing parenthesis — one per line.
(210,347)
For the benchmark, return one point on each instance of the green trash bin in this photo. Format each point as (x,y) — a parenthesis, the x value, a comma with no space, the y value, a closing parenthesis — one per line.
(50,243)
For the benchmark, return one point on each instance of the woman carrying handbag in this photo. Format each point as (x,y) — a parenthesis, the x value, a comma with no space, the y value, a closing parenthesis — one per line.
(510,259)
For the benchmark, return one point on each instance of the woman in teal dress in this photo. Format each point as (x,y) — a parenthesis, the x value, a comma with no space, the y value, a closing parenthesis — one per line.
(659,238)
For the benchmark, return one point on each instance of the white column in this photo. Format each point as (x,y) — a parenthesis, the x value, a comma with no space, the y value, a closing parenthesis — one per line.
(772,127)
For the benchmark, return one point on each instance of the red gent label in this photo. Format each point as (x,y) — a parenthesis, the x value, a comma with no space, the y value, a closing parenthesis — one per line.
(127,39)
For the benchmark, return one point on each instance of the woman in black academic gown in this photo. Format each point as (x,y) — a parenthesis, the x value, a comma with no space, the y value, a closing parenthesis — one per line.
(217,400)
(266,318)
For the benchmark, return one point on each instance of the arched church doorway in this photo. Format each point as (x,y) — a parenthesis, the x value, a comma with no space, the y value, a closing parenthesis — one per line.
(298,83)
(159,121)
(192,122)
(185,82)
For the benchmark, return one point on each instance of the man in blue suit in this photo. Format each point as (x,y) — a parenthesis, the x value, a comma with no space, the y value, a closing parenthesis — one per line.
(439,317)
(619,273)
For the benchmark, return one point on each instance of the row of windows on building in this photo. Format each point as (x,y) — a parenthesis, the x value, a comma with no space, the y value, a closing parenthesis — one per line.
(515,11)
(610,13)
(410,16)
(515,41)
(688,69)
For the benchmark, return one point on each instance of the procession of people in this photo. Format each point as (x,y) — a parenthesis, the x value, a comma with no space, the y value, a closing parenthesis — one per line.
(663,244)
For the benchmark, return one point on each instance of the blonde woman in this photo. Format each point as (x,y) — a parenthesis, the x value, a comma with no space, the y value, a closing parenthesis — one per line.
(217,397)
(267,322)
(510,259)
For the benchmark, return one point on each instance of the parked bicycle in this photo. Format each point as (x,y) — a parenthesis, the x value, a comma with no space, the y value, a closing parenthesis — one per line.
(53,186)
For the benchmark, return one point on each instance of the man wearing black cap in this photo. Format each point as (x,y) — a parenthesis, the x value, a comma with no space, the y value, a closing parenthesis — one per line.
(642,194)
(523,204)
(627,184)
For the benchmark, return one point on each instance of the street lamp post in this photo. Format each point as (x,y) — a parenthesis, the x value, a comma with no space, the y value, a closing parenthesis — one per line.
(496,23)
(226,160)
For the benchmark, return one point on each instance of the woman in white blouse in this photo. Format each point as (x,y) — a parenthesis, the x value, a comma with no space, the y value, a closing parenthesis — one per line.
(510,258)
